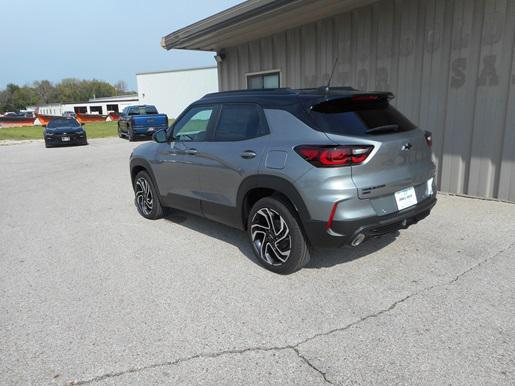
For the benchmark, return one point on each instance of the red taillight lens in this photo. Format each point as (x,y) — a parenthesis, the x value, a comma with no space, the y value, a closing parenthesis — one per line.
(324,156)
(335,156)
(429,138)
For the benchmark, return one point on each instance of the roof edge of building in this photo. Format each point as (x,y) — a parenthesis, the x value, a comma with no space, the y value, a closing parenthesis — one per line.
(177,70)
(240,12)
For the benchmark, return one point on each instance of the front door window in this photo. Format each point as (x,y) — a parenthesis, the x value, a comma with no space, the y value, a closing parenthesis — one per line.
(193,126)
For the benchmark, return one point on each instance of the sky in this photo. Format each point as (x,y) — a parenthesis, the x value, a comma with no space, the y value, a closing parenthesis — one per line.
(108,40)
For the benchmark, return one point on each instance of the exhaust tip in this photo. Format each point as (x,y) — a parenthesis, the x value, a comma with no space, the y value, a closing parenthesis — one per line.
(358,240)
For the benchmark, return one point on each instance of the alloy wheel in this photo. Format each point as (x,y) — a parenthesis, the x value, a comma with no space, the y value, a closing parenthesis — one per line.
(271,236)
(144,198)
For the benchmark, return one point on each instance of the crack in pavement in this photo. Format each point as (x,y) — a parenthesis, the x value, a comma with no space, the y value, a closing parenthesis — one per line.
(293,347)
(200,356)
(177,362)
(308,362)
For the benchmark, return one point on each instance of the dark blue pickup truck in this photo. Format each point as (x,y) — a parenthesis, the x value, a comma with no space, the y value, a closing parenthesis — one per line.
(140,121)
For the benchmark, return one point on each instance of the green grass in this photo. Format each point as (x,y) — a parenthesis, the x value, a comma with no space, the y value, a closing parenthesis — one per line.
(93,130)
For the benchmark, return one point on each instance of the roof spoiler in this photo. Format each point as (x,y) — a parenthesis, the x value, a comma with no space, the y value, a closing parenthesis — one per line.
(339,103)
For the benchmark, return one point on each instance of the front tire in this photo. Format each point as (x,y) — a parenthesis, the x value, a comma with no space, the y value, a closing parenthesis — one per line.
(146,197)
(276,236)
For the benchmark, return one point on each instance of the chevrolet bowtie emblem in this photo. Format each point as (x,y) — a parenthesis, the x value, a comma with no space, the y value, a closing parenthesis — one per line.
(406,146)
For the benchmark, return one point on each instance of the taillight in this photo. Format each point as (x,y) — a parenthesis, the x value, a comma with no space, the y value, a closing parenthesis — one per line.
(334,156)
(365,98)
(429,138)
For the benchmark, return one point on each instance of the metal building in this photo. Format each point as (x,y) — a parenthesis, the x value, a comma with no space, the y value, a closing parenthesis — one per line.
(450,64)
(172,91)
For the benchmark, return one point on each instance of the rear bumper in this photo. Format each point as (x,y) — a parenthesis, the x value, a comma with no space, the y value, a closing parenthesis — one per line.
(343,232)
(57,140)
(146,131)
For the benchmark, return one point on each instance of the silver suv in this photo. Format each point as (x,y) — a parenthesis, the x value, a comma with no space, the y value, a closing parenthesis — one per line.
(294,168)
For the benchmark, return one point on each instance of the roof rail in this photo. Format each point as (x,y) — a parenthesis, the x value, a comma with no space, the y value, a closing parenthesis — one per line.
(261,91)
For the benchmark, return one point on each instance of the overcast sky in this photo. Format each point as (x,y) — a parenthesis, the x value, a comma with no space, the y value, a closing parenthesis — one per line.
(103,39)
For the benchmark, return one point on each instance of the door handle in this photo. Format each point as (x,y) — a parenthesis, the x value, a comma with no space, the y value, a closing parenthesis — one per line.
(191,151)
(248,154)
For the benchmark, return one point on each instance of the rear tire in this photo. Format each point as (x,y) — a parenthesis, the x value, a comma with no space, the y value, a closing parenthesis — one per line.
(130,134)
(146,197)
(276,237)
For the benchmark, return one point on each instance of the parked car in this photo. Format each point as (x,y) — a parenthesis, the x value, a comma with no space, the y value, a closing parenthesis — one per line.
(296,169)
(140,121)
(28,114)
(69,114)
(64,131)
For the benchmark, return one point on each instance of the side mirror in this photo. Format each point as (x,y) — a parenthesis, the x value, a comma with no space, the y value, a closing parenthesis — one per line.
(160,136)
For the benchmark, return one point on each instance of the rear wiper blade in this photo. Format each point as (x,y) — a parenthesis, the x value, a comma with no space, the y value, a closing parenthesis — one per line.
(384,128)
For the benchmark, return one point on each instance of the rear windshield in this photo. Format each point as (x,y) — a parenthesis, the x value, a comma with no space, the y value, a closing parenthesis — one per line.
(143,110)
(359,119)
(56,123)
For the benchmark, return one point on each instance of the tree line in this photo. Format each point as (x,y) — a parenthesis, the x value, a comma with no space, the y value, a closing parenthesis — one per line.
(15,98)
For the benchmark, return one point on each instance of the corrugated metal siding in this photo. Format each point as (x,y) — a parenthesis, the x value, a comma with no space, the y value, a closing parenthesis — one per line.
(449,62)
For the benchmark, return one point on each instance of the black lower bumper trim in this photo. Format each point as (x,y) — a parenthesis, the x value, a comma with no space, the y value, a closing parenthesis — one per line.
(370,227)
(74,140)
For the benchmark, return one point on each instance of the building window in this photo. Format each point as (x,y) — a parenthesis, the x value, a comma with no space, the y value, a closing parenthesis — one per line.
(95,110)
(112,108)
(268,79)
(80,109)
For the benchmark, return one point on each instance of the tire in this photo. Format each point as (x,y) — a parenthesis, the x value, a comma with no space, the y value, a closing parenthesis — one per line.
(130,134)
(144,191)
(280,247)
(120,135)
(85,141)
(46,144)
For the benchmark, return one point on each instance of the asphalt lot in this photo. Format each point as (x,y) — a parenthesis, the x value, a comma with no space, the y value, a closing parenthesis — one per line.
(90,292)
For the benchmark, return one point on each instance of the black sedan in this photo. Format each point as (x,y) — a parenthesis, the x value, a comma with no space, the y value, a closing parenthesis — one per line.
(65,131)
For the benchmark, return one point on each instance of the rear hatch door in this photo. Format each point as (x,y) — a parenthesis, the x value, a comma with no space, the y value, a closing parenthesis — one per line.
(401,157)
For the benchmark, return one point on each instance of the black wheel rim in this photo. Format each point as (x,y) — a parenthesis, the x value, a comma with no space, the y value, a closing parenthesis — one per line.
(271,237)
(144,197)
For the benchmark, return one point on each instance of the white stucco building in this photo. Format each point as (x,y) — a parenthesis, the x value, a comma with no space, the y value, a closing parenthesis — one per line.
(172,91)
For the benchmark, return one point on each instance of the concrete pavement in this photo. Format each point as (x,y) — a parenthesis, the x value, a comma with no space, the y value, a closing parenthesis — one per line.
(90,292)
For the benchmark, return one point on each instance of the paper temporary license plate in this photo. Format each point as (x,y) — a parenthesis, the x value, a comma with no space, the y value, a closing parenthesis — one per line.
(406,198)
(65,139)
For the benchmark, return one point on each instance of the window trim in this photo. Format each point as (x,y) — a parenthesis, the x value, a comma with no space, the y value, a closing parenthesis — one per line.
(265,72)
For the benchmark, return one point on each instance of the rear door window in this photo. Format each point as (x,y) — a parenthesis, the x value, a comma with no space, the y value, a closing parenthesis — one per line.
(359,119)
(239,122)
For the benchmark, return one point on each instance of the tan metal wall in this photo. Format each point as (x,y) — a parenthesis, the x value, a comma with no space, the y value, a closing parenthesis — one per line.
(450,64)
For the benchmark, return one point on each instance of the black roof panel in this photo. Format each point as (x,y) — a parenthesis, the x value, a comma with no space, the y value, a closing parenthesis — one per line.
(285,96)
